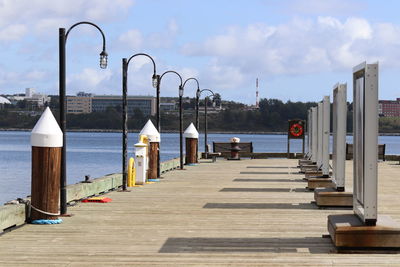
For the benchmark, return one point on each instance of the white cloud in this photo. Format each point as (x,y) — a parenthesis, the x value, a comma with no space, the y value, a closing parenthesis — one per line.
(135,39)
(44,16)
(131,39)
(12,32)
(19,80)
(325,7)
(301,46)
(89,79)
(36,75)
(356,28)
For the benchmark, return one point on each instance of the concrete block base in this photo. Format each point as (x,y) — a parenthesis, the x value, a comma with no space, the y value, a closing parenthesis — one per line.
(305,162)
(314,183)
(330,197)
(313,173)
(308,168)
(347,231)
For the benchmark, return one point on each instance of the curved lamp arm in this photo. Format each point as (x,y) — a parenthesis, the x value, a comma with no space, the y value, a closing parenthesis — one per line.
(198,85)
(180,78)
(172,71)
(212,93)
(155,78)
(103,54)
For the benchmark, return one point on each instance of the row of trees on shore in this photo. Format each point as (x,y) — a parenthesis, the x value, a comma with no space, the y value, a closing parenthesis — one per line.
(272,116)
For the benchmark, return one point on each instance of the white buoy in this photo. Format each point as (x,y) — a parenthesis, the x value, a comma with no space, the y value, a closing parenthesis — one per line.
(191,132)
(47,132)
(151,132)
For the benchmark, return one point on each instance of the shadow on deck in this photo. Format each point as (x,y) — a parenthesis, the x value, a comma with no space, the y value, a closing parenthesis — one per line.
(316,245)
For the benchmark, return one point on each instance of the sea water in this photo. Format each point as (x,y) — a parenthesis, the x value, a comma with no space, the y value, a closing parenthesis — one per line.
(97,154)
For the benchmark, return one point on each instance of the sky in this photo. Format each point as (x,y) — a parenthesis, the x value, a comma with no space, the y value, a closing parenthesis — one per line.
(298,49)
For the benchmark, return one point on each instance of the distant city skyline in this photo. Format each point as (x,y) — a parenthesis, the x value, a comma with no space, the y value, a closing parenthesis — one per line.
(298,49)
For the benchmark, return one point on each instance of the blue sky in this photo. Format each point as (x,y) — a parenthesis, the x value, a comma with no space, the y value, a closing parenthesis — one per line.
(297,48)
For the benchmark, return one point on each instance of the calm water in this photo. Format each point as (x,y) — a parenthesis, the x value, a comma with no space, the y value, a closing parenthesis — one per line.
(98,154)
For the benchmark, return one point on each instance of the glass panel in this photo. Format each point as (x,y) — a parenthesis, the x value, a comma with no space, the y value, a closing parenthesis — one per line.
(358,144)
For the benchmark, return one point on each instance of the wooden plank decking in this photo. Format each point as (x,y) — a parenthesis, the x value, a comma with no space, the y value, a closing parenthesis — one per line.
(236,213)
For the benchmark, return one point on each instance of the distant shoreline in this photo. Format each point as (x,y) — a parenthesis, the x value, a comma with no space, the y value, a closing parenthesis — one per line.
(138,130)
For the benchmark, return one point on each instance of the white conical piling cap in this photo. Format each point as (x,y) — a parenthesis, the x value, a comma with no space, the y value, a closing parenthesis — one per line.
(151,132)
(191,132)
(46,132)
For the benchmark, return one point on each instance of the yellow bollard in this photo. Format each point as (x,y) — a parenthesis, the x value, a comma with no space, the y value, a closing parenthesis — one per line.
(132,173)
(129,182)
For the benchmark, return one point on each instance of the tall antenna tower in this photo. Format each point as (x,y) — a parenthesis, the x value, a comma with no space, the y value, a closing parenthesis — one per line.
(257,99)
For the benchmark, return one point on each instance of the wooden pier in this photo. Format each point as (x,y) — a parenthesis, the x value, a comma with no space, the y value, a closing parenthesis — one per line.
(229,213)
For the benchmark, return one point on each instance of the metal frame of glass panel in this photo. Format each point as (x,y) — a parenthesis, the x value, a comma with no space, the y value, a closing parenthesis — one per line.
(365,142)
(326,108)
(314,134)
(308,133)
(319,135)
(339,112)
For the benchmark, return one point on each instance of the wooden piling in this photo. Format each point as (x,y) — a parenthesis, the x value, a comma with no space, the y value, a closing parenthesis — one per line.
(153,137)
(191,150)
(46,142)
(153,160)
(192,138)
(45,187)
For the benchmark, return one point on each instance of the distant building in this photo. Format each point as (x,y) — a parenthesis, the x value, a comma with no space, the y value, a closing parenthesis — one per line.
(38,100)
(167,107)
(32,98)
(389,108)
(29,92)
(4,101)
(79,104)
(87,103)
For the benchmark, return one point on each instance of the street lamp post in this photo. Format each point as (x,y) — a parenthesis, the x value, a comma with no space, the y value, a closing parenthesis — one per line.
(197,99)
(180,127)
(62,38)
(155,79)
(205,118)
(180,120)
(197,106)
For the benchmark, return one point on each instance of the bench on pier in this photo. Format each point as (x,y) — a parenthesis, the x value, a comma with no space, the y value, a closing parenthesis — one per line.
(381,151)
(224,148)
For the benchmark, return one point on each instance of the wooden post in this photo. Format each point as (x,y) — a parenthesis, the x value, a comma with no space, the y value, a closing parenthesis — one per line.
(153,160)
(47,142)
(191,148)
(192,137)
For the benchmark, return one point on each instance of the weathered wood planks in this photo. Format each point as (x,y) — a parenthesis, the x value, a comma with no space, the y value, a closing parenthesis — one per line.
(168,224)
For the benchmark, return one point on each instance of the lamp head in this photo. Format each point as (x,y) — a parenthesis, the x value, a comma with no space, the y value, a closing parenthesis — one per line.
(180,90)
(103,59)
(155,80)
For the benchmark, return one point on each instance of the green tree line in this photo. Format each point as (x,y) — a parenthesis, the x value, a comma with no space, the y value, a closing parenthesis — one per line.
(272,116)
